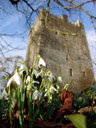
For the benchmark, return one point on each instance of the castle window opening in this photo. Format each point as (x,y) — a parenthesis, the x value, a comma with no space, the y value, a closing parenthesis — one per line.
(67,57)
(71,73)
(84,74)
(56,33)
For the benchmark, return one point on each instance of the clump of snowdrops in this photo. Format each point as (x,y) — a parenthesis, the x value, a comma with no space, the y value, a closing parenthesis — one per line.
(37,84)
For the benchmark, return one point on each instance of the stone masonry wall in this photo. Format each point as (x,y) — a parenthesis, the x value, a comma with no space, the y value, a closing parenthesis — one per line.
(64,48)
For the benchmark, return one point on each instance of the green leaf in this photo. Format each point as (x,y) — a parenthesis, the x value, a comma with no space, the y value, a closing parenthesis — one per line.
(93,86)
(80,121)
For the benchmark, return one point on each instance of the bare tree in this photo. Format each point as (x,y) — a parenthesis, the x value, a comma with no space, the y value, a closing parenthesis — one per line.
(30,9)
(68,6)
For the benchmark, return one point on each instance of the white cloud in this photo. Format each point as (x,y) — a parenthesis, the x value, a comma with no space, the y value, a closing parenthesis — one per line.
(91,37)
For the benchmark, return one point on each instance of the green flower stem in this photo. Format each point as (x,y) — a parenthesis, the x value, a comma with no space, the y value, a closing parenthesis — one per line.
(10,109)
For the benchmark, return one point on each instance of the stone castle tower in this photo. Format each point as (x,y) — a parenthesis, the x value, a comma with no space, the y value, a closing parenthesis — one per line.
(64,47)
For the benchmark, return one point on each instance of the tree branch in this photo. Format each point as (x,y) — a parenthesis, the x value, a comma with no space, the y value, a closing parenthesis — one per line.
(29,5)
(14,2)
(76,6)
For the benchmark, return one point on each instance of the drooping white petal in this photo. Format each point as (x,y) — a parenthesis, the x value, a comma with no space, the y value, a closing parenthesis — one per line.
(60,79)
(28,79)
(35,72)
(58,87)
(66,86)
(39,73)
(17,79)
(41,63)
(23,67)
(52,78)
(4,94)
(52,89)
(10,81)
(46,92)
(37,82)
(36,95)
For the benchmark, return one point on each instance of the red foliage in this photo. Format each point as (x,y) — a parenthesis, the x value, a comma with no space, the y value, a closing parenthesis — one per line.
(66,99)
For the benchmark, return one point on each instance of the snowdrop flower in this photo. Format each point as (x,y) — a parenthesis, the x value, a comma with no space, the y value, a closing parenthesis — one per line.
(66,86)
(35,72)
(58,87)
(5,94)
(52,78)
(17,79)
(35,82)
(28,79)
(60,79)
(36,95)
(22,68)
(46,92)
(52,89)
(41,63)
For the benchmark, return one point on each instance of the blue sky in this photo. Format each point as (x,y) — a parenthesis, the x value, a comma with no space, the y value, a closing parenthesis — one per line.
(15,23)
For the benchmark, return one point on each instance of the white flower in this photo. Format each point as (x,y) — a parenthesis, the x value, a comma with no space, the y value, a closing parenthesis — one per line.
(5,94)
(60,79)
(41,63)
(52,78)
(36,95)
(66,86)
(46,92)
(35,72)
(52,89)
(58,87)
(35,82)
(22,68)
(17,79)
(28,79)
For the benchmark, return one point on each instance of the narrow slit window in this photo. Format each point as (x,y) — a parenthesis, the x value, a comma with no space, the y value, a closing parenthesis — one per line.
(56,33)
(71,73)
(84,74)
(67,57)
